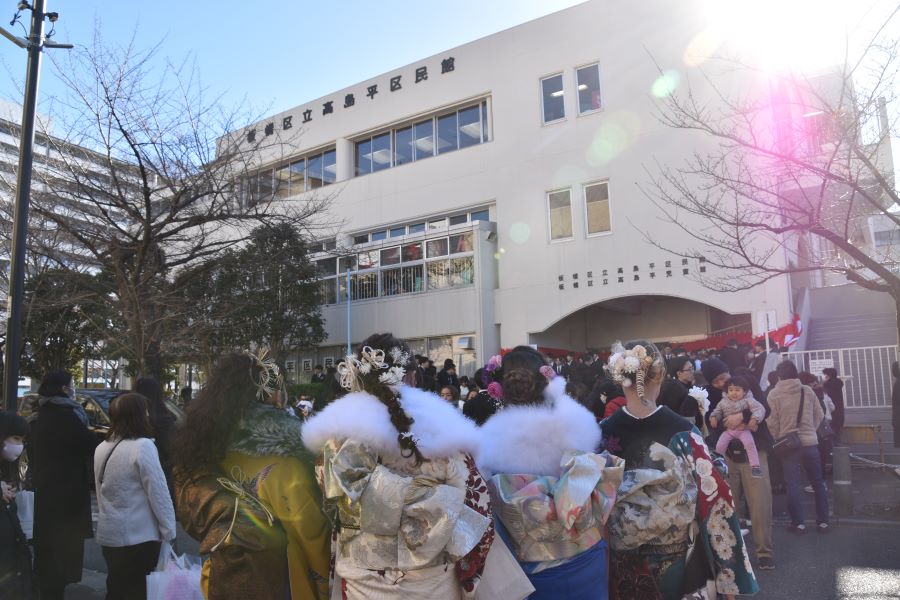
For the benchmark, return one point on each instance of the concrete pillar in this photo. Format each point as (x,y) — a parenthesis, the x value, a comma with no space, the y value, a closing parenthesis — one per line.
(843,480)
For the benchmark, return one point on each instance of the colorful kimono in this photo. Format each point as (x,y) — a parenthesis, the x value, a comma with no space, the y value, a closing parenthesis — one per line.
(402,530)
(551,493)
(673,532)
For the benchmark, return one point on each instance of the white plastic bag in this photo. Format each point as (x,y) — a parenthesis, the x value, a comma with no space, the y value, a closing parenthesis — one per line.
(503,578)
(175,578)
(25,511)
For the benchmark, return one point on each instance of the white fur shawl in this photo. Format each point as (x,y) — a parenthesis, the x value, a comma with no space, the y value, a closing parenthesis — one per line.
(533,439)
(442,430)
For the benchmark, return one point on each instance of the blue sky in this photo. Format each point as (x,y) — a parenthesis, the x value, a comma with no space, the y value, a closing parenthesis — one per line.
(275,58)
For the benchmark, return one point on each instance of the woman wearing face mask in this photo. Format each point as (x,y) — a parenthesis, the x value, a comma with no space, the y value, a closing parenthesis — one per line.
(15,557)
(60,450)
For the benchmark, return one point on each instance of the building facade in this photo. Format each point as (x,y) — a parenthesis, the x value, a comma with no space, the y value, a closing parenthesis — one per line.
(492,195)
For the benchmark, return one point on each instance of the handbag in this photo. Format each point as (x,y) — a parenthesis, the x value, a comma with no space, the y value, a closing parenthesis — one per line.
(175,578)
(790,442)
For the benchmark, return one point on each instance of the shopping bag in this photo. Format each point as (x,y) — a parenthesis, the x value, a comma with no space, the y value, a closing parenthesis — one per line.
(175,578)
(502,578)
(25,511)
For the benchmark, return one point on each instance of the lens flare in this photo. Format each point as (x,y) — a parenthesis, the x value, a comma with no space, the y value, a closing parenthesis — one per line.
(665,84)
(620,131)
(520,232)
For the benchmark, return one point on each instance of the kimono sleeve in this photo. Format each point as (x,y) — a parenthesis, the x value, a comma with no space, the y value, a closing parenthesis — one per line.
(719,527)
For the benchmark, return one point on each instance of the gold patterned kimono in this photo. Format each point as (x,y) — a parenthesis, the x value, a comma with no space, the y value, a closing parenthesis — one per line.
(402,530)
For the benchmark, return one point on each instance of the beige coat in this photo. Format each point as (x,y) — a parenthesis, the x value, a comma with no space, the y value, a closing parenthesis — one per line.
(784,400)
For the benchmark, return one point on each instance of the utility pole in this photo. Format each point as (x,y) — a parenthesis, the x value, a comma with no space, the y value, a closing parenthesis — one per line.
(34,45)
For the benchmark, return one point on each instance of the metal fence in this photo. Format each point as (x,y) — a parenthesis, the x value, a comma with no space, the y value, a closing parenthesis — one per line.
(866,372)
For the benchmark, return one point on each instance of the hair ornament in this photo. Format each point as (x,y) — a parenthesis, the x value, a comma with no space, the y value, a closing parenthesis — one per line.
(548,372)
(630,366)
(493,363)
(372,361)
(495,390)
(270,377)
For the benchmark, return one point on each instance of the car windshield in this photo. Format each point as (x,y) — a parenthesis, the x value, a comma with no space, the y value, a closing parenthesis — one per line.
(102,397)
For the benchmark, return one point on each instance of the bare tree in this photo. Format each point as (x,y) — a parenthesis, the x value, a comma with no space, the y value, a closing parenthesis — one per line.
(795,181)
(145,182)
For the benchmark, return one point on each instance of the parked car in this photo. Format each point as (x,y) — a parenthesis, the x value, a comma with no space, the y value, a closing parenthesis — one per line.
(96,405)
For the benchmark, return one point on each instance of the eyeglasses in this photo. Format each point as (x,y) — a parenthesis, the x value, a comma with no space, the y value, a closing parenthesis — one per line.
(687,370)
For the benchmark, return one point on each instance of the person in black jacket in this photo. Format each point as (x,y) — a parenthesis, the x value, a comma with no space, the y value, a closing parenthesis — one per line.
(448,376)
(15,557)
(674,390)
(482,406)
(61,448)
(834,387)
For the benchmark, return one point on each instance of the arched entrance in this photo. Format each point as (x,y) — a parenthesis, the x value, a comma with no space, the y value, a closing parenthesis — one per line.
(657,318)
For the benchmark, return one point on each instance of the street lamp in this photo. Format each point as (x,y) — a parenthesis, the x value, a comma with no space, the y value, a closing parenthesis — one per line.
(34,44)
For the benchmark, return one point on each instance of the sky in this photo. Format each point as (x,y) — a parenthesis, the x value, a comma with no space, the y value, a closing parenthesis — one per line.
(273,55)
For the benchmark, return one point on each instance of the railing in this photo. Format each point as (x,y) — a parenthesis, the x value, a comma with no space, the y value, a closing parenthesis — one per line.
(866,372)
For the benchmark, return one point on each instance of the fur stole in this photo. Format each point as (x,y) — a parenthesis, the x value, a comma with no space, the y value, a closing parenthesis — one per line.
(532,439)
(268,431)
(442,430)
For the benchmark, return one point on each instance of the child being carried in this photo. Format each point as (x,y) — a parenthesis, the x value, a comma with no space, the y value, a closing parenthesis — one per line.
(737,399)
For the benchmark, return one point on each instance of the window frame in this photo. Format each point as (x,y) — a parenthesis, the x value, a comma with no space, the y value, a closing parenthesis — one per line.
(541,81)
(550,220)
(592,111)
(584,187)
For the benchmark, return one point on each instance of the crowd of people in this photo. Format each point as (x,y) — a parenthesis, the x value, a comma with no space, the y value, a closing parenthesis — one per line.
(630,475)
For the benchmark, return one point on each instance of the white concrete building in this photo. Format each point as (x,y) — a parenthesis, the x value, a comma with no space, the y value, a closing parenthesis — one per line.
(489,195)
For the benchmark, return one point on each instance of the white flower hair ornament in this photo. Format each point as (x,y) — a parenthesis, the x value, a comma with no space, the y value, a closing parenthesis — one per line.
(630,366)
(372,361)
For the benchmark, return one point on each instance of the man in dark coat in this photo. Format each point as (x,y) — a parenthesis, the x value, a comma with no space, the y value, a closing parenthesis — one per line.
(731,356)
(482,406)
(758,365)
(448,376)
(834,387)
(61,450)
(15,557)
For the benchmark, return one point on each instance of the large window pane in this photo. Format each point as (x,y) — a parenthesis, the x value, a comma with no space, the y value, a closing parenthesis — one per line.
(326,266)
(560,207)
(328,289)
(417,228)
(391,282)
(390,256)
(381,152)
(368,260)
(265,185)
(596,198)
(436,247)
(459,219)
(412,252)
(461,243)
(398,231)
(446,133)
(460,271)
(364,157)
(347,263)
(283,182)
(314,172)
(403,146)
(469,127)
(424,139)
(364,286)
(437,275)
(552,98)
(329,167)
(298,176)
(377,236)
(481,215)
(588,80)
(413,279)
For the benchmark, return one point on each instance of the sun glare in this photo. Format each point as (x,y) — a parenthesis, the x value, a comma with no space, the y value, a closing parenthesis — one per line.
(775,34)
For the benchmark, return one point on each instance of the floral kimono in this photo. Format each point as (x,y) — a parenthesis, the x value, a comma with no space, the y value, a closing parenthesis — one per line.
(551,493)
(402,530)
(673,532)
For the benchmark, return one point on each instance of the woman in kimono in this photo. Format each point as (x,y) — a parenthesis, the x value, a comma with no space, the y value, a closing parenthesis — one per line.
(673,532)
(246,488)
(551,493)
(410,511)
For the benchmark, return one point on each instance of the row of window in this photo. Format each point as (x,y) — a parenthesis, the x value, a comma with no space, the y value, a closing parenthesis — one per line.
(431,275)
(406,253)
(419,227)
(596,210)
(429,137)
(587,86)
(302,175)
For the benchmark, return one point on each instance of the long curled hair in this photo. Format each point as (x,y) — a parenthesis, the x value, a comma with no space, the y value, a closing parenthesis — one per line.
(521,377)
(401,421)
(214,415)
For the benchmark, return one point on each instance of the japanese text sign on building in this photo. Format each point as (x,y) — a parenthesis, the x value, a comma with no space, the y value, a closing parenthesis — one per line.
(394,84)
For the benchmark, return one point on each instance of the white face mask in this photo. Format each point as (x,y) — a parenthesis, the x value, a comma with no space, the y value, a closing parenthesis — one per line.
(12,451)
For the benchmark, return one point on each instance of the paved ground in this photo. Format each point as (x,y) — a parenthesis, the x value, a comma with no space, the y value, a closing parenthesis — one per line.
(858,560)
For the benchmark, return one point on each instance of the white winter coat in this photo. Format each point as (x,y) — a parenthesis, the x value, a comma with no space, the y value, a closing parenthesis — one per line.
(133,500)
